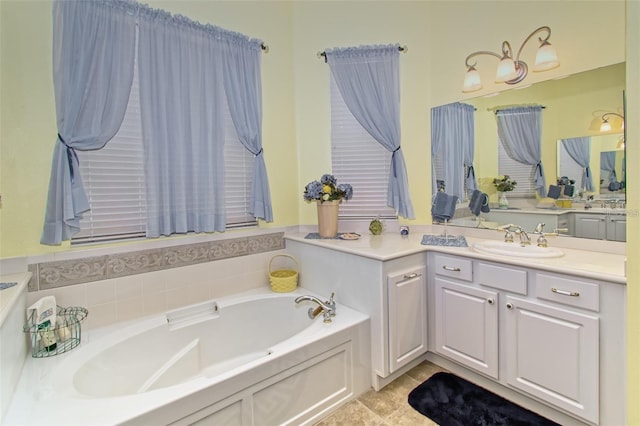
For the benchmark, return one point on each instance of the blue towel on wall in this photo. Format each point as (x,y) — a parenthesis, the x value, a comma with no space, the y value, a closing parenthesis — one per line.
(444,206)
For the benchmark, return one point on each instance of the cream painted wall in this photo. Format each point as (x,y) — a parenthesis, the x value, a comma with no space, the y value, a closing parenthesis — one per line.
(633,206)
(28,122)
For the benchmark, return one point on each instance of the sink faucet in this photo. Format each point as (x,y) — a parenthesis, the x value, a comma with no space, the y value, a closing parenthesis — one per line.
(542,241)
(517,229)
(328,308)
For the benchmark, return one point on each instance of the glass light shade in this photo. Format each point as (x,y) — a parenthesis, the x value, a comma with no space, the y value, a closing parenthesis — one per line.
(605,126)
(506,70)
(546,58)
(472,81)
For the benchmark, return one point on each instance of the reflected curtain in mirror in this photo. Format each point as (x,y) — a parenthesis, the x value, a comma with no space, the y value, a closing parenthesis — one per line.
(520,133)
(579,149)
(608,164)
(452,148)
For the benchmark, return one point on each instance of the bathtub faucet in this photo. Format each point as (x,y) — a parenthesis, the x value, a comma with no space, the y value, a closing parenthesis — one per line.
(327,308)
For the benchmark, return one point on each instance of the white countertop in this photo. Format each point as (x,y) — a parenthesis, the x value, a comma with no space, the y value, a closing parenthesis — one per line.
(10,295)
(584,263)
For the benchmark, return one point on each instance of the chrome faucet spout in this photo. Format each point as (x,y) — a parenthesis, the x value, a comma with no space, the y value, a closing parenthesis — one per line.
(328,308)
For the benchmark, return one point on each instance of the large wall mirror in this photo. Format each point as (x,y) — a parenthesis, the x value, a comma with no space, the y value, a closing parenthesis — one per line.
(573,108)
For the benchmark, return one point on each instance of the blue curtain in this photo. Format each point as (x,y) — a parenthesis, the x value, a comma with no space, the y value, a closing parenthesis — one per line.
(579,149)
(243,88)
(181,103)
(608,164)
(520,132)
(452,138)
(368,80)
(93,59)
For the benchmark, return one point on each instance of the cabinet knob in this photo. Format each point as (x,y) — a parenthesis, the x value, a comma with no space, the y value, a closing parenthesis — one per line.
(490,301)
(509,305)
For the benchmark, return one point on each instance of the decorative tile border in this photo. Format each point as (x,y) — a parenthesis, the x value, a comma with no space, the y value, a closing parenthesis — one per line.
(48,275)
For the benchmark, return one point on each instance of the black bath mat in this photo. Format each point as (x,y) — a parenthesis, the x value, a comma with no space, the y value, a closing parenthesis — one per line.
(451,401)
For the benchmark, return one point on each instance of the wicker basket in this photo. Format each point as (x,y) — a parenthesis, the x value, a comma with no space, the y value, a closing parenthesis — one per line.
(283,280)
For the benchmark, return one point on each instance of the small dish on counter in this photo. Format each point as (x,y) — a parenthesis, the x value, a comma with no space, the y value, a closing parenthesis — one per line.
(349,236)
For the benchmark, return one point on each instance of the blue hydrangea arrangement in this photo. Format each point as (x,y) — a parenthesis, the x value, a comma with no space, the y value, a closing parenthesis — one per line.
(327,189)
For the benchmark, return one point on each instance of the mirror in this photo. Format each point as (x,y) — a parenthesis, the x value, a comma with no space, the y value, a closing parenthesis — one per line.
(607,164)
(574,106)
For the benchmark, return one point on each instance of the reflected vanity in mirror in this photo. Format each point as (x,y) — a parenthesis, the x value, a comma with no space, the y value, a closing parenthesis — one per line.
(573,109)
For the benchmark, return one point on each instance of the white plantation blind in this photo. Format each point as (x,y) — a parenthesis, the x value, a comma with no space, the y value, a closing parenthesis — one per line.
(569,167)
(238,177)
(359,160)
(113,178)
(521,173)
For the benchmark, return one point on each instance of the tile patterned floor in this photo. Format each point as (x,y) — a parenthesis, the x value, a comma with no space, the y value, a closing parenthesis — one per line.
(387,407)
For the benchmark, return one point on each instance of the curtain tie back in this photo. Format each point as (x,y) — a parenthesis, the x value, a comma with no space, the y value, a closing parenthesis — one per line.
(71,154)
(393,163)
(539,167)
(470,172)
(258,153)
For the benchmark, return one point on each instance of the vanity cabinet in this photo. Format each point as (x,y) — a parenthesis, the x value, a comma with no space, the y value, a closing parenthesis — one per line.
(466,317)
(611,227)
(552,353)
(533,331)
(407,307)
(393,293)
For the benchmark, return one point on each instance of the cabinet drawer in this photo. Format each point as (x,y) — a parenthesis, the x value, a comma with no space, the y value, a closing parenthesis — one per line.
(455,267)
(568,291)
(502,278)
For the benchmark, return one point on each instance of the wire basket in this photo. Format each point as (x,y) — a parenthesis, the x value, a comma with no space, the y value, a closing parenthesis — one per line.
(63,337)
(283,280)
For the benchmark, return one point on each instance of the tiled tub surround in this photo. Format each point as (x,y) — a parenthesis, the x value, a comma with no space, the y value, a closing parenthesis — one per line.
(120,284)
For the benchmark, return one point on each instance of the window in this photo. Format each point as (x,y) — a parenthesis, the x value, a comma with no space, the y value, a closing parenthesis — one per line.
(568,166)
(113,178)
(521,173)
(359,160)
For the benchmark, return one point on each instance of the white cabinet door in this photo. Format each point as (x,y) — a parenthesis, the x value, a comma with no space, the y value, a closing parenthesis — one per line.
(552,353)
(590,226)
(467,325)
(407,301)
(617,228)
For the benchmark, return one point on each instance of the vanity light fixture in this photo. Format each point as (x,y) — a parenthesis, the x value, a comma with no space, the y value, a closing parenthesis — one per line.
(606,126)
(510,70)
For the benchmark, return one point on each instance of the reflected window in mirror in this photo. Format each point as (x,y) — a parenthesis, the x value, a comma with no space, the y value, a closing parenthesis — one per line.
(452,149)
(577,152)
(520,148)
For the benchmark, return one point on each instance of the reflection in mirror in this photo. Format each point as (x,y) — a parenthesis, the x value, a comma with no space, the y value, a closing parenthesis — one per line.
(573,108)
(606,165)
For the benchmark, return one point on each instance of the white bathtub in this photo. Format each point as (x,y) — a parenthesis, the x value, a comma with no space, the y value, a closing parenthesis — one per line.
(255,358)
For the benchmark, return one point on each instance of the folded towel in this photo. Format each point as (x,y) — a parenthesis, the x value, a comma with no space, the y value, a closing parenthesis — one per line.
(441,240)
(444,206)
(475,203)
(554,192)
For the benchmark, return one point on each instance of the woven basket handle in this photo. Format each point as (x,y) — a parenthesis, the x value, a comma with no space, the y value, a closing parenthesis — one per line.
(283,255)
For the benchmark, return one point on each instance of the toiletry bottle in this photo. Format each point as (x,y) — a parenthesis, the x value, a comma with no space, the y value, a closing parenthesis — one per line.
(43,314)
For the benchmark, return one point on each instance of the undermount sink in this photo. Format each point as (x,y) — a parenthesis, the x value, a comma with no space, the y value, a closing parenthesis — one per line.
(516,250)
